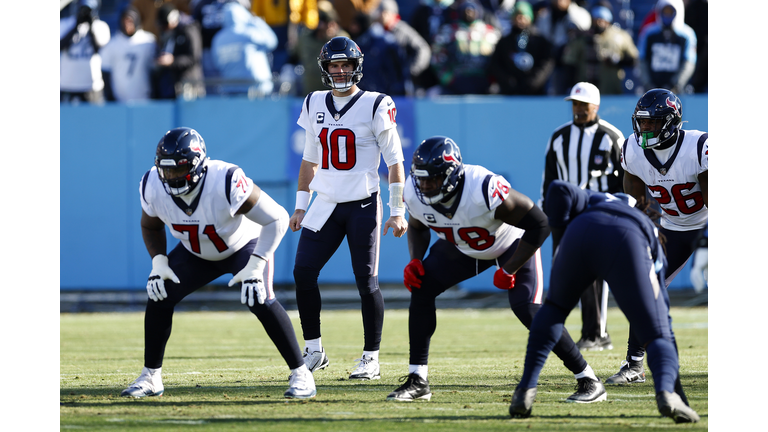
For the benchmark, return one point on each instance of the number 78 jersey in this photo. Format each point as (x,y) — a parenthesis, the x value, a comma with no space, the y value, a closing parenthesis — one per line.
(472,227)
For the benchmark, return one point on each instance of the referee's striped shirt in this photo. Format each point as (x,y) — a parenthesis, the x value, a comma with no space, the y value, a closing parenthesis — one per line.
(587,155)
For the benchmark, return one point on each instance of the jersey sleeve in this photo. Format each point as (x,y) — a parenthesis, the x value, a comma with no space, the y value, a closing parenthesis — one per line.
(703,150)
(310,153)
(496,191)
(146,195)
(385,130)
(385,116)
(240,188)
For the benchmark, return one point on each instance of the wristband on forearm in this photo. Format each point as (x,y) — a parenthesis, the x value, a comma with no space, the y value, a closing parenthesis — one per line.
(396,204)
(302,200)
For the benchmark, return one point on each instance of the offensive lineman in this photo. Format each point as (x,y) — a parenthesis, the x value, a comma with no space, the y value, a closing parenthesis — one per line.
(225,224)
(672,164)
(348,130)
(481,222)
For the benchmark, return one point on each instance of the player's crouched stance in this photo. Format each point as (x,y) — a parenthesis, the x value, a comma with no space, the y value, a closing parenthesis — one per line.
(605,237)
(481,223)
(225,224)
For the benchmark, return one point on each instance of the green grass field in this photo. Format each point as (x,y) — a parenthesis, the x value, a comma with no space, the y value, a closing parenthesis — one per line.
(222,373)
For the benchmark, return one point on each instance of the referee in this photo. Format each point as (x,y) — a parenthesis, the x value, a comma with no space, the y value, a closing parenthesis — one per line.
(586,152)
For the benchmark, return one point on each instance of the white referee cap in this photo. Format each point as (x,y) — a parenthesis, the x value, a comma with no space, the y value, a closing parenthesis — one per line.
(585,92)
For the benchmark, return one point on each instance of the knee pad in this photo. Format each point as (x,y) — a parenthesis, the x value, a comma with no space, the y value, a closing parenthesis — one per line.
(305,278)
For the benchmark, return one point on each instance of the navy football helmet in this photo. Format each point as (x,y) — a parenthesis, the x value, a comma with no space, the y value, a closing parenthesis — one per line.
(438,159)
(340,48)
(180,160)
(665,108)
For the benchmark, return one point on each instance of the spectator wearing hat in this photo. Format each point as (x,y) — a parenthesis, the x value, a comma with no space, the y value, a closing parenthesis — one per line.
(127,60)
(586,152)
(602,54)
(522,61)
(668,48)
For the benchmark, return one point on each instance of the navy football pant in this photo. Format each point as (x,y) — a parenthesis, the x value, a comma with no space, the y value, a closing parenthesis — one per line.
(359,222)
(445,266)
(601,245)
(679,247)
(195,272)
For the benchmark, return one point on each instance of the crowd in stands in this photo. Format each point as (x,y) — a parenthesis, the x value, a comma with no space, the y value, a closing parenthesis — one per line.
(167,49)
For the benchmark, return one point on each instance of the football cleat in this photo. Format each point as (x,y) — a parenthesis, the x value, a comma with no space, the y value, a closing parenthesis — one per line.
(522,402)
(147,384)
(415,387)
(672,406)
(315,360)
(367,369)
(630,372)
(596,344)
(302,385)
(588,391)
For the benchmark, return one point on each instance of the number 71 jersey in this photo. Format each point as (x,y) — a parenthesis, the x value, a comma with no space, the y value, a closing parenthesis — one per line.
(211,230)
(472,226)
(674,184)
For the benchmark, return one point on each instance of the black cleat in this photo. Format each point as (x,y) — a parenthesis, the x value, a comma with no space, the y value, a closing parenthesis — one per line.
(588,391)
(672,406)
(415,387)
(595,344)
(522,401)
(630,372)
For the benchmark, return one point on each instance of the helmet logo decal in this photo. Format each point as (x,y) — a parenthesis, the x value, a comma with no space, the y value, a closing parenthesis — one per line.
(449,157)
(672,104)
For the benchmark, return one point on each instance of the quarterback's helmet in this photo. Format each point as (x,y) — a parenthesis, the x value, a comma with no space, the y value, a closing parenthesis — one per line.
(438,159)
(180,160)
(340,48)
(665,109)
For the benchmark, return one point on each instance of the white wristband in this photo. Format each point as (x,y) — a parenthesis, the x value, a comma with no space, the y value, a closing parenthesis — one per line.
(302,200)
(396,204)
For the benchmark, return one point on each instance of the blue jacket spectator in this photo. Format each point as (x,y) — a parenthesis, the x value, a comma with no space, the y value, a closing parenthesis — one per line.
(667,48)
(240,51)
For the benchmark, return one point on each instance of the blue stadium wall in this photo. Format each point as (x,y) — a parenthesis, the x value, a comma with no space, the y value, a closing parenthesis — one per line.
(106,149)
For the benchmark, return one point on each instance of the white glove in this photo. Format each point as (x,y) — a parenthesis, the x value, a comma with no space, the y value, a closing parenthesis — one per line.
(699,270)
(160,272)
(252,277)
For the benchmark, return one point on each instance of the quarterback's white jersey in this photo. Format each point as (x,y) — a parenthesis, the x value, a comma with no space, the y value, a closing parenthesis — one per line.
(212,231)
(346,146)
(130,60)
(80,67)
(674,183)
(473,228)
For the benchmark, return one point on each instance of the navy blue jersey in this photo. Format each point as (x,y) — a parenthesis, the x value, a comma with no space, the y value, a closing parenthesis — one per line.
(565,202)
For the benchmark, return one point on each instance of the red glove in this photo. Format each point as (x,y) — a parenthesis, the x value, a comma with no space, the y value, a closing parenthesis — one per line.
(503,280)
(411,274)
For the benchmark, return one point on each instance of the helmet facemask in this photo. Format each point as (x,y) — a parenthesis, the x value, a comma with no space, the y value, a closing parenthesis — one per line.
(664,129)
(180,160)
(350,78)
